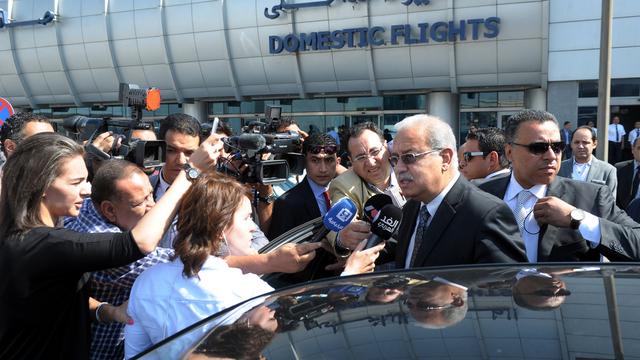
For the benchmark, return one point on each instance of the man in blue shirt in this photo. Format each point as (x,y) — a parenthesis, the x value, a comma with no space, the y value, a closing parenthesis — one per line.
(121,195)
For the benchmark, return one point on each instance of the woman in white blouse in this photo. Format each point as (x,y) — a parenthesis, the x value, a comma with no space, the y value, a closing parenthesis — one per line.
(215,213)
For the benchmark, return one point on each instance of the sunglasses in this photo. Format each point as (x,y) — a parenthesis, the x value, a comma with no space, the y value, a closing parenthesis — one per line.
(409,158)
(539,148)
(372,154)
(471,154)
(327,149)
(550,292)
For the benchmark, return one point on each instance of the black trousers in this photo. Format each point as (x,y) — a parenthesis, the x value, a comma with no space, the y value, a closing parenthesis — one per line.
(615,152)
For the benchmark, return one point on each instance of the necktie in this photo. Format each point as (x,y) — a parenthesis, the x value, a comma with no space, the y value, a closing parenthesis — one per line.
(521,211)
(617,133)
(327,200)
(636,183)
(423,219)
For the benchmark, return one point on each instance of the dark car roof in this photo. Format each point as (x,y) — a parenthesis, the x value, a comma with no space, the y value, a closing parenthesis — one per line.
(540,311)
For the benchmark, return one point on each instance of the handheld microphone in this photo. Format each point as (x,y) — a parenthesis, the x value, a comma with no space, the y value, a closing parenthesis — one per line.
(337,218)
(384,225)
(373,206)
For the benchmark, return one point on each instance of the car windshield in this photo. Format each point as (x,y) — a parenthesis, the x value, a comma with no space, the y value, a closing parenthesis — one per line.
(542,311)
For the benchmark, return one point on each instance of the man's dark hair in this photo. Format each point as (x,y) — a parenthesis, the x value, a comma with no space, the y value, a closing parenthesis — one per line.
(181,123)
(359,128)
(13,126)
(586,127)
(490,139)
(539,116)
(317,139)
(103,186)
(567,122)
(224,128)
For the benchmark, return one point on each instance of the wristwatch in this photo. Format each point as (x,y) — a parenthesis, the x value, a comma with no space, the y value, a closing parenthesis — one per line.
(192,173)
(267,199)
(577,215)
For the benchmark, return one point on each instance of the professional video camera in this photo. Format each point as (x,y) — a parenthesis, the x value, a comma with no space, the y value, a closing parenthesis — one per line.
(143,153)
(262,138)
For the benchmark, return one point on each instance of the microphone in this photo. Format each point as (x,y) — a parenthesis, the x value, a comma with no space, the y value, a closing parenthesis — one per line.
(373,206)
(337,218)
(384,225)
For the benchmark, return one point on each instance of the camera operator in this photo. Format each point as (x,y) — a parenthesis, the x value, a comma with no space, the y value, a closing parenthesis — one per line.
(181,134)
(145,132)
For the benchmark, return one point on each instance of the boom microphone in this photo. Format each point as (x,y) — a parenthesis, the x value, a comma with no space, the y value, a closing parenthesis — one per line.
(337,218)
(373,206)
(246,142)
(384,225)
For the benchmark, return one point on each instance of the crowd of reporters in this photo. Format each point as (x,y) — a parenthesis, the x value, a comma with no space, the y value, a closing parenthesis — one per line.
(105,270)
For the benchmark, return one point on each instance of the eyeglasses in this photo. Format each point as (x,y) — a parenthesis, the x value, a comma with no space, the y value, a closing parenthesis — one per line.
(539,148)
(550,292)
(410,158)
(327,149)
(424,306)
(372,153)
(471,154)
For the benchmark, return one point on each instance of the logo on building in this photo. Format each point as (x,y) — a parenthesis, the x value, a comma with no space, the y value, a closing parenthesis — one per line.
(283,6)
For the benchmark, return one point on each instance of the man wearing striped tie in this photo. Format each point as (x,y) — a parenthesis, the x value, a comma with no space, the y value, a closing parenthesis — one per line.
(560,219)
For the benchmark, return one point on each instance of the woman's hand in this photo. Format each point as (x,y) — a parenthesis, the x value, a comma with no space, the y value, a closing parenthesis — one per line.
(362,261)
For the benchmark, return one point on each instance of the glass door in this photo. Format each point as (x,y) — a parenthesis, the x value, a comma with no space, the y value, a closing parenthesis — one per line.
(357,119)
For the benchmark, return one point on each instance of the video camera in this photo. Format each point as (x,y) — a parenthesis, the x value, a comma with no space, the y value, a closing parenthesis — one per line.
(144,153)
(262,138)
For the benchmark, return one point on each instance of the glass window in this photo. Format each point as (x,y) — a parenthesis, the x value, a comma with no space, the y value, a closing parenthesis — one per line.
(60,112)
(285,104)
(311,124)
(488,99)
(511,99)
(335,104)
(586,114)
(175,108)
(364,103)
(469,100)
(588,89)
(404,102)
(476,119)
(233,107)
(335,121)
(625,87)
(216,108)
(308,105)
(235,124)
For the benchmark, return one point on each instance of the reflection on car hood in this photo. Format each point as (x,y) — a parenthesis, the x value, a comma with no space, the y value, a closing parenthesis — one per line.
(561,311)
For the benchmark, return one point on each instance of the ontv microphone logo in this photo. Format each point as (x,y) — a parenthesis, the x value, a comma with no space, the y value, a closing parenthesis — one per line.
(345,215)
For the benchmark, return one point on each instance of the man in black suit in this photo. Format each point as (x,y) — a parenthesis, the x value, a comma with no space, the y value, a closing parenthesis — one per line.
(628,180)
(559,219)
(448,221)
(310,198)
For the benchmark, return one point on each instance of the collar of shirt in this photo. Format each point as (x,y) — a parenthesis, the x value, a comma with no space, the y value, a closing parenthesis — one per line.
(434,204)
(587,163)
(514,189)
(392,190)
(317,189)
(162,185)
(90,221)
(496,173)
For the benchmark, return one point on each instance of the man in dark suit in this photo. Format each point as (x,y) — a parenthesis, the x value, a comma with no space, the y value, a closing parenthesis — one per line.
(448,221)
(310,198)
(628,180)
(559,219)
